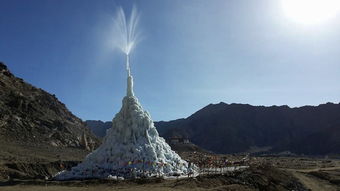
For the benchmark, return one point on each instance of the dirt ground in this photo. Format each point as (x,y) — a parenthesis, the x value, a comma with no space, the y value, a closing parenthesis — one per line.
(315,174)
(265,173)
(262,177)
(324,179)
(107,188)
(163,186)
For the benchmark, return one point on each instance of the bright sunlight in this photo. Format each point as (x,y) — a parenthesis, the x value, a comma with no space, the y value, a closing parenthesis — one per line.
(311,11)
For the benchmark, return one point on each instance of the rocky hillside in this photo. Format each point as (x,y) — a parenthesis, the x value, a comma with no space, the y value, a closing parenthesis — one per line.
(30,115)
(98,127)
(230,128)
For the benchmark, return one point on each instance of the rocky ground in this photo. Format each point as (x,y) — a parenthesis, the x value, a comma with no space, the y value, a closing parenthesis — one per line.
(314,173)
(254,178)
(264,173)
(29,161)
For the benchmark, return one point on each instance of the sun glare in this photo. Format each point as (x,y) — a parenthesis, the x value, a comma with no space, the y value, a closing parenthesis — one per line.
(311,11)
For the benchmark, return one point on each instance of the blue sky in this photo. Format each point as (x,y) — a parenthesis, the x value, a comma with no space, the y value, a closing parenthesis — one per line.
(193,53)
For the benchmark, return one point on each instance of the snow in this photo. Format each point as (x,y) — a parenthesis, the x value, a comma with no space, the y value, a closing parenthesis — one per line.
(132,147)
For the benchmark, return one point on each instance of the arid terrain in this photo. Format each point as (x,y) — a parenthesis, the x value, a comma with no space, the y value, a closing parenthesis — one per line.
(260,178)
(264,173)
(314,174)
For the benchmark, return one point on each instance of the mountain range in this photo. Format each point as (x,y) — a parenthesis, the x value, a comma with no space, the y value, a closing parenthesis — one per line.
(234,128)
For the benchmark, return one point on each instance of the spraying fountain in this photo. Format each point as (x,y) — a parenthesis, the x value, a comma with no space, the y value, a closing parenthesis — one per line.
(132,146)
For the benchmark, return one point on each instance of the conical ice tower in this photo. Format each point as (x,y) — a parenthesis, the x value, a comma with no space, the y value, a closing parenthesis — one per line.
(131,147)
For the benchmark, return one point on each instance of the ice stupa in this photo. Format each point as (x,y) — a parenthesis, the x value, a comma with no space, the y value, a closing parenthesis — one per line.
(131,147)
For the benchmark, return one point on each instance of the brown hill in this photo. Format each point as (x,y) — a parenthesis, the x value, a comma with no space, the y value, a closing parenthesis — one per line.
(31,116)
(230,128)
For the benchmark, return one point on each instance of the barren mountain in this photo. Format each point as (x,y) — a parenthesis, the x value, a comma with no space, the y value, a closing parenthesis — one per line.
(30,115)
(230,128)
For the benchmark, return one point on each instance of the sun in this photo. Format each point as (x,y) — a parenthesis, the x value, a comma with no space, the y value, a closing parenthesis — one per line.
(311,11)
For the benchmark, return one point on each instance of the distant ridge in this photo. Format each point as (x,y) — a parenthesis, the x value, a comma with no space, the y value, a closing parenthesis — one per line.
(230,128)
(233,128)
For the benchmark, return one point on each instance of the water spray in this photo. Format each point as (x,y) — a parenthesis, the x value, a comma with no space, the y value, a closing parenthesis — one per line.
(127,35)
(128,38)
